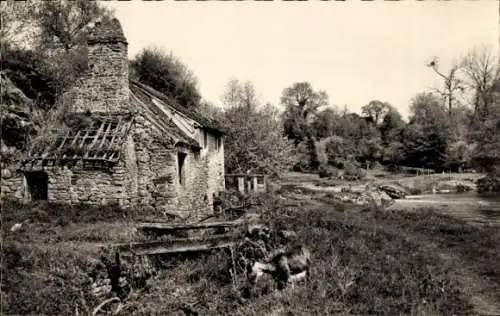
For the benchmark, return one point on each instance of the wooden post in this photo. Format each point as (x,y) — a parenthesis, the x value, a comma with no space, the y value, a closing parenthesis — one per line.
(249,187)
(254,179)
(241,184)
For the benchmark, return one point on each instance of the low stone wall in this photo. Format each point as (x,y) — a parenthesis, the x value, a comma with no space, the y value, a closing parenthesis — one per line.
(12,183)
(89,186)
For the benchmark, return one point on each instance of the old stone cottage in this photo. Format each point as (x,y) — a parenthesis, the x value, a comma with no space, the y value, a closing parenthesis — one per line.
(131,145)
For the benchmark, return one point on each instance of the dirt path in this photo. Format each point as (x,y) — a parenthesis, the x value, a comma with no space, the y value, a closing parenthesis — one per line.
(473,285)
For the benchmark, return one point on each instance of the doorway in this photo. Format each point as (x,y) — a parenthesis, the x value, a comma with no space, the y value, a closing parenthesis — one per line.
(38,185)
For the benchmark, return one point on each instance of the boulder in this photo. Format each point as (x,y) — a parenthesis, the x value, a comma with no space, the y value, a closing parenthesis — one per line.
(393,191)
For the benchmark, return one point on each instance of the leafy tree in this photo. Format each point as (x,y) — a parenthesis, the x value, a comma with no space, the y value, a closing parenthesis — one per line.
(487,137)
(301,104)
(391,125)
(167,74)
(459,155)
(254,139)
(63,24)
(393,153)
(375,110)
(56,33)
(369,151)
(337,150)
(425,138)
(325,123)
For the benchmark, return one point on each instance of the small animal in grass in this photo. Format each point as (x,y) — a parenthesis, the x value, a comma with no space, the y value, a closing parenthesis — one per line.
(285,266)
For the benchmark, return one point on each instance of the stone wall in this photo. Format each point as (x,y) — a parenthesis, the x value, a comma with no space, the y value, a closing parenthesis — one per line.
(193,195)
(105,85)
(89,186)
(81,185)
(215,154)
(12,183)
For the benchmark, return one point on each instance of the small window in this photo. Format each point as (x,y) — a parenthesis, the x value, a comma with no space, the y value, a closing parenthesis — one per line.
(38,183)
(218,143)
(181,158)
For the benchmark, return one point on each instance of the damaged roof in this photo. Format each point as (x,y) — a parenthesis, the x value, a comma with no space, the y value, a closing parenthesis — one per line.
(95,137)
(99,137)
(156,116)
(191,113)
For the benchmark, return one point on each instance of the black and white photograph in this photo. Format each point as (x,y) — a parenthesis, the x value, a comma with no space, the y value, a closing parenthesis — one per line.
(250,157)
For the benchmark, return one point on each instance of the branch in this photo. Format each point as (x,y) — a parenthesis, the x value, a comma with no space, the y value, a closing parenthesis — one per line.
(434,67)
(100,306)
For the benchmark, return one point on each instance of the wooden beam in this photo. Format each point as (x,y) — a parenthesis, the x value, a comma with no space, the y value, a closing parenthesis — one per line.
(72,142)
(105,135)
(75,138)
(177,227)
(96,138)
(177,245)
(157,250)
(66,137)
(113,138)
(115,133)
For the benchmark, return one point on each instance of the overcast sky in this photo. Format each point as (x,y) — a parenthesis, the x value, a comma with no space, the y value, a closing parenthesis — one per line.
(356,51)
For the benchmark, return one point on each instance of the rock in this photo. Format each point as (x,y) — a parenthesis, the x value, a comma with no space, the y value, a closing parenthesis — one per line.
(6,174)
(393,191)
(16,227)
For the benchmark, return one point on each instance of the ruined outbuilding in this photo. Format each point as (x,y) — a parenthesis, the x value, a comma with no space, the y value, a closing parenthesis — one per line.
(128,143)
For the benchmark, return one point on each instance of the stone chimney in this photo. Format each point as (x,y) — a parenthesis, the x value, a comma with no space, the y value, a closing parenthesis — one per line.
(105,88)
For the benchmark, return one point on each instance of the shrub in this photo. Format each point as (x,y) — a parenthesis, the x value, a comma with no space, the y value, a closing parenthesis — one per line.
(325,171)
(353,172)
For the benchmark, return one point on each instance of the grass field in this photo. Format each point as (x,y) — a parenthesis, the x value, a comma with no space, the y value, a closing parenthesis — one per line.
(366,261)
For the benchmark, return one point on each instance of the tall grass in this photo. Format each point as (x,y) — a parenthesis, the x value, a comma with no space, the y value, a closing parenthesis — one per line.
(366,261)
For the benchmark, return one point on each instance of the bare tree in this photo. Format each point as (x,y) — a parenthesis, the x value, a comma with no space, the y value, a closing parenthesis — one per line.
(481,71)
(452,83)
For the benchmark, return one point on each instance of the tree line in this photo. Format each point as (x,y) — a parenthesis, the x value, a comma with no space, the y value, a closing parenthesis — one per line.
(454,127)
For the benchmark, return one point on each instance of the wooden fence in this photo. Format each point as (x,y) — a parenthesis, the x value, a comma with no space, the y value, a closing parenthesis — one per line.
(247,183)
(178,245)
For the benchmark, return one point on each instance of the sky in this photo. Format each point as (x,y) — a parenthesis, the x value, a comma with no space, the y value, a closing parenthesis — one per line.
(356,51)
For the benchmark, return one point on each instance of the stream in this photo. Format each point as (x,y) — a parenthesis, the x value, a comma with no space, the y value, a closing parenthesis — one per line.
(469,206)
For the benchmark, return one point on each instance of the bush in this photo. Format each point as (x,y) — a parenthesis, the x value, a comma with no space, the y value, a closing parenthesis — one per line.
(353,172)
(325,171)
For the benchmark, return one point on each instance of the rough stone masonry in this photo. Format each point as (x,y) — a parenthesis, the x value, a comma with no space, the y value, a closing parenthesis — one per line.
(140,149)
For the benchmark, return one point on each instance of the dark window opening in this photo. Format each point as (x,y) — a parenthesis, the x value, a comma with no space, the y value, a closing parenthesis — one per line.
(74,179)
(218,143)
(38,185)
(205,139)
(181,157)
